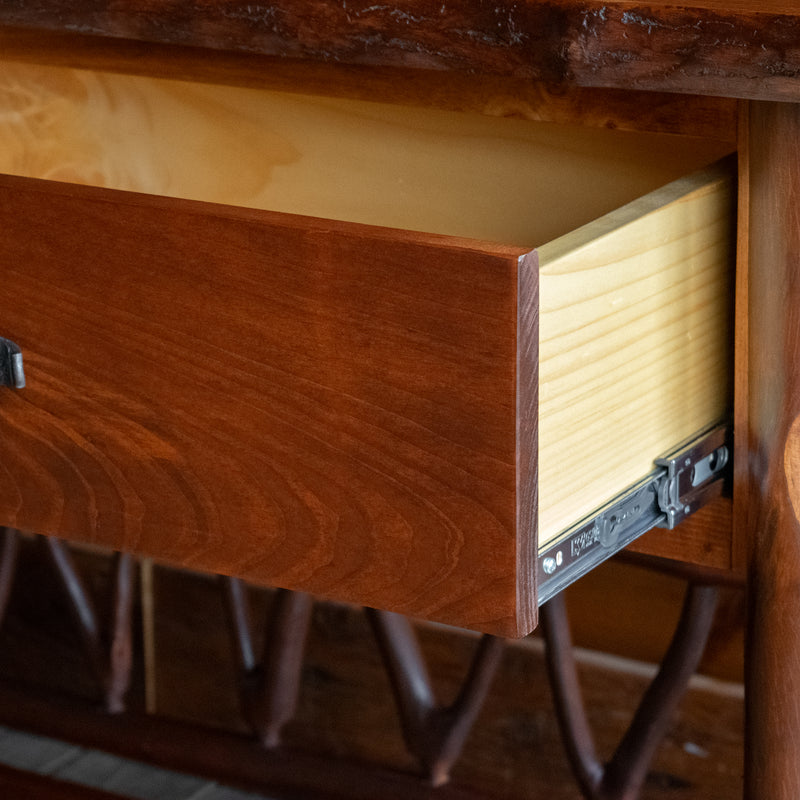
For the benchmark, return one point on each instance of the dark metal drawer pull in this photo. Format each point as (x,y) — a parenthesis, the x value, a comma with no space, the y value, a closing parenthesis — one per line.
(12,372)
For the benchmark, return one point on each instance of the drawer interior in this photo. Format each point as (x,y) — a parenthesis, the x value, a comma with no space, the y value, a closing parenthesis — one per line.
(468,175)
(633,346)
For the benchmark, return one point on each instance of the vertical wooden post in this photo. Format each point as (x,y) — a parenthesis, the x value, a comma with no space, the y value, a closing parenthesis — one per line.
(772,175)
(147,590)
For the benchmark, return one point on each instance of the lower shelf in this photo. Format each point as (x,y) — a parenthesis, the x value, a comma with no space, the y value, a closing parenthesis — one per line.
(346,737)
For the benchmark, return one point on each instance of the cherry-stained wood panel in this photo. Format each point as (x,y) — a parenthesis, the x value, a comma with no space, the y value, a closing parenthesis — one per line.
(773,413)
(299,402)
(729,49)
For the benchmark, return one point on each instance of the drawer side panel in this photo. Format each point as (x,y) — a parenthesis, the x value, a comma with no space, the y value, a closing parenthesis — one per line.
(636,341)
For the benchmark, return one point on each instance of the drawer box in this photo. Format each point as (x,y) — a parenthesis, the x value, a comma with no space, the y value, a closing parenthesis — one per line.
(396,418)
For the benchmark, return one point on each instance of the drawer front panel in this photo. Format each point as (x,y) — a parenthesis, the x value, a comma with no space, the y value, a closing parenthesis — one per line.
(313,405)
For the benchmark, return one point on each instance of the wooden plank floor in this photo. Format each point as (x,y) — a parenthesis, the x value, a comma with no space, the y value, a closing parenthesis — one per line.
(346,712)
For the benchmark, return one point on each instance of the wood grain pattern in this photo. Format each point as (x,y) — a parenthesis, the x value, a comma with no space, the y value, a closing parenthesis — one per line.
(461,174)
(527,433)
(506,38)
(290,401)
(516,751)
(52,130)
(706,49)
(300,403)
(791,466)
(741,444)
(456,174)
(346,709)
(729,49)
(773,686)
(634,352)
(707,117)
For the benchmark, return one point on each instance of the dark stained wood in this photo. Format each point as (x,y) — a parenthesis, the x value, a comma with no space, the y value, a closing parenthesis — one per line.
(502,38)
(626,772)
(709,117)
(269,687)
(15,783)
(40,642)
(631,610)
(227,757)
(282,664)
(773,645)
(111,660)
(703,540)
(120,656)
(682,569)
(302,403)
(727,49)
(346,711)
(8,566)
(718,49)
(741,453)
(347,730)
(79,602)
(527,762)
(435,734)
(576,731)
(622,778)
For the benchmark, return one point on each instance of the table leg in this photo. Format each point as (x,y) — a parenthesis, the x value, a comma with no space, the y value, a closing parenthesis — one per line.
(771,162)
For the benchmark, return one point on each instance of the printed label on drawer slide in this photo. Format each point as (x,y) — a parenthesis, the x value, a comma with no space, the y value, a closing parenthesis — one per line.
(684,480)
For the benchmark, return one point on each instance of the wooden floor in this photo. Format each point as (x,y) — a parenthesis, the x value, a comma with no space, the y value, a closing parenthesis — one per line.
(346,711)
(64,770)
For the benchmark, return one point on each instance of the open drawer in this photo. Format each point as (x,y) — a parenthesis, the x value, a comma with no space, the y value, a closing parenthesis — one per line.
(402,419)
